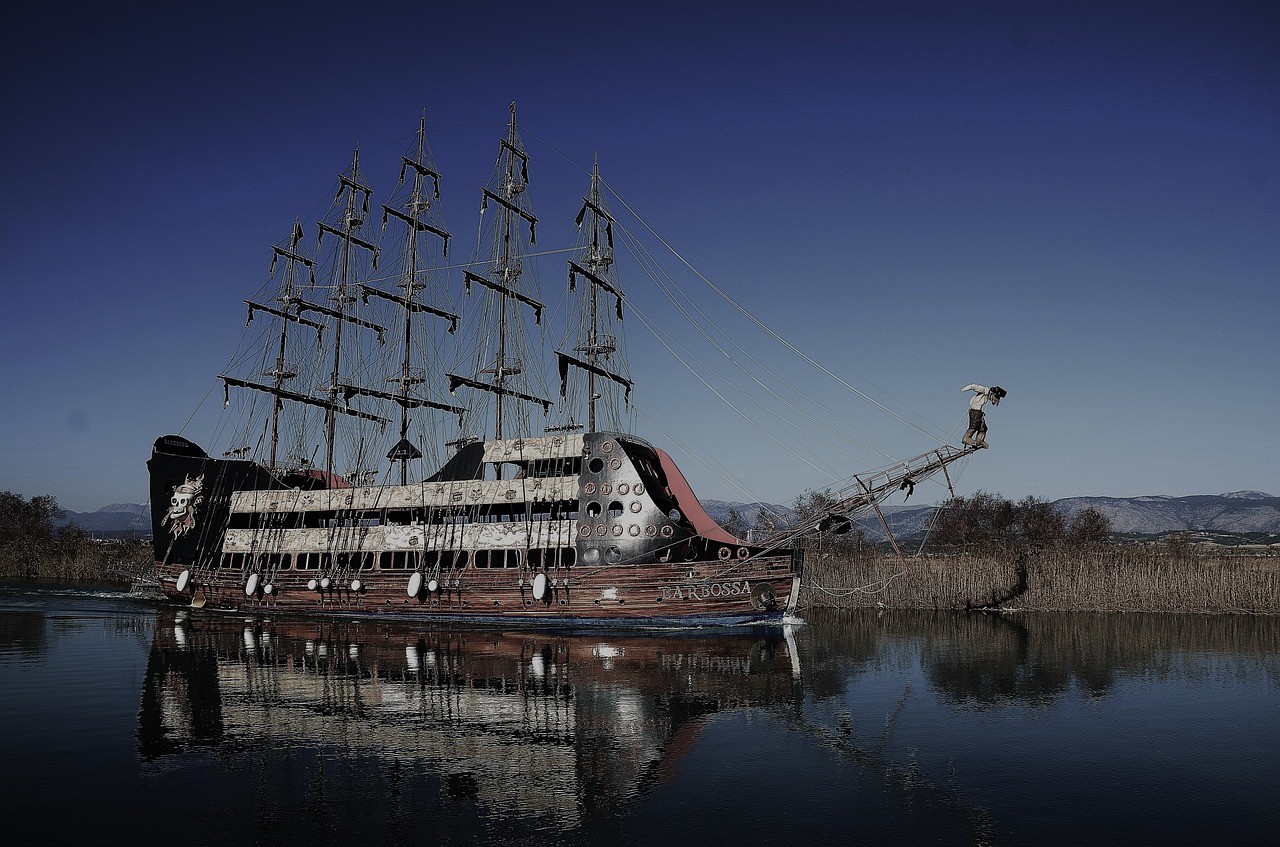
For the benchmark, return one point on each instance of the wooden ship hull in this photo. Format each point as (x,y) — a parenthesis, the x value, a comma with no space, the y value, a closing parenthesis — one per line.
(595,529)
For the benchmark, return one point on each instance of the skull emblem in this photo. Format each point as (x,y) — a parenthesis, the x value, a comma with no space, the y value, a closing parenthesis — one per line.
(182,506)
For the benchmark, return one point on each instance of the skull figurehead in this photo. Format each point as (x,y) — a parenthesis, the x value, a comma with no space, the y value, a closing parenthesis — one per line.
(182,505)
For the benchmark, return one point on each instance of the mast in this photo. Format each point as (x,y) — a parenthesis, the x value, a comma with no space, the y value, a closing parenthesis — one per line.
(503,279)
(280,373)
(352,219)
(408,379)
(595,267)
(290,309)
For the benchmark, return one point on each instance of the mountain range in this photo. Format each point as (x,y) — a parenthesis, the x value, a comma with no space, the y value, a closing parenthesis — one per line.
(1233,512)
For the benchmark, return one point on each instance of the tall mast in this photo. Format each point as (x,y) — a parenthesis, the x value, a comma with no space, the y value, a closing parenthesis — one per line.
(503,278)
(594,265)
(409,379)
(281,372)
(292,307)
(510,190)
(411,287)
(352,219)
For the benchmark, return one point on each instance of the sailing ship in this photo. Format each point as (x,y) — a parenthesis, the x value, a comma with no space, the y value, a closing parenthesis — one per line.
(472,514)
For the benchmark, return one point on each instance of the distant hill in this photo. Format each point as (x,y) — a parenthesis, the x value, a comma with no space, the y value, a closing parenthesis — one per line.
(1237,511)
(115,520)
(1233,512)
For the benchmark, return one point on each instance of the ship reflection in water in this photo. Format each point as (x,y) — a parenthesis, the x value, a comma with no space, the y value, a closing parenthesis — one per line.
(543,727)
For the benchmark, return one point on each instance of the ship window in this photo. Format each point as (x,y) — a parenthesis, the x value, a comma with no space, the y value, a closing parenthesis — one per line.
(551,558)
(593,510)
(596,465)
(497,558)
(613,555)
(280,561)
(355,561)
(615,510)
(397,560)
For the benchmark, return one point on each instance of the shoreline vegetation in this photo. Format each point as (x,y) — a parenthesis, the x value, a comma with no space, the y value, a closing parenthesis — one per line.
(31,548)
(984,554)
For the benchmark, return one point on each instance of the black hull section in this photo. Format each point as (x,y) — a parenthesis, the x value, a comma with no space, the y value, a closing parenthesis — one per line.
(178,468)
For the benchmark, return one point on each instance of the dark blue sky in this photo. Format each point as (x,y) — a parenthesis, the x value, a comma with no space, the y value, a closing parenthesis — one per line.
(1078,201)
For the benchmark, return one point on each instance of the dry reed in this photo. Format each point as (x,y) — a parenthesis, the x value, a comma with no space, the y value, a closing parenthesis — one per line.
(1120,578)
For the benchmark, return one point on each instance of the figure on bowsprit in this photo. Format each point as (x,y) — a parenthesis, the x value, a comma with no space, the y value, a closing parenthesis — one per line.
(977,434)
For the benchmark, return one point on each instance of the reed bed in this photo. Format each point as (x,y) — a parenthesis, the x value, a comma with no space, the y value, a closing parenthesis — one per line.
(74,558)
(1120,578)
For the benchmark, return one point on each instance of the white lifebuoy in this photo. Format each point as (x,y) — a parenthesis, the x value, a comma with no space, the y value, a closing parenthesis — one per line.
(415,584)
(539,586)
(312,585)
(433,585)
(251,585)
(325,583)
(268,589)
(356,585)
(724,553)
(183,579)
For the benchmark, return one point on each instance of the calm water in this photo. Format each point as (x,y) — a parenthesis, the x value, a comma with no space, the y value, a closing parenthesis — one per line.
(125,723)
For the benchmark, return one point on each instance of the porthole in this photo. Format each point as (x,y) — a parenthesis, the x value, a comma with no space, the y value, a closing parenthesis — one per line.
(638,488)
(596,465)
(617,530)
(650,531)
(613,555)
(589,488)
(593,510)
(667,531)
(615,463)
(636,507)
(584,531)
(601,529)
(623,488)
(615,510)
(674,514)
(606,447)
(591,555)
(634,530)
(606,489)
